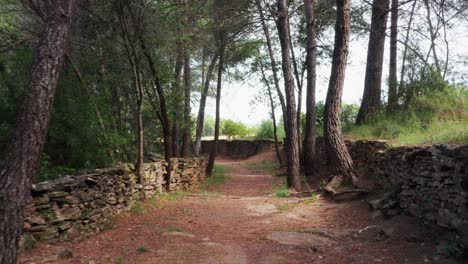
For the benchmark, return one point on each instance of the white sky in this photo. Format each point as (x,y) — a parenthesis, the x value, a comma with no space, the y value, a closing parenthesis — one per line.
(237,96)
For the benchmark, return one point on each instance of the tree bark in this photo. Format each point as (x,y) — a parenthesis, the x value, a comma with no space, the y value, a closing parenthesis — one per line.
(405,45)
(201,110)
(166,125)
(266,32)
(393,78)
(24,150)
(273,116)
(310,129)
(186,136)
(177,96)
(292,146)
(214,150)
(336,147)
(371,101)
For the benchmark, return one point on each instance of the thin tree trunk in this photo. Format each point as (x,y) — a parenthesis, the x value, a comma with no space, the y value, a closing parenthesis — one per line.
(266,32)
(177,97)
(186,137)
(371,101)
(273,116)
(335,144)
(134,61)
(393,78)
(433,36)
(93,102)
(214,149)
(24,150)
(310,129)
(299,93)
(292,146)
(405,46)
(201,110)
(166,126)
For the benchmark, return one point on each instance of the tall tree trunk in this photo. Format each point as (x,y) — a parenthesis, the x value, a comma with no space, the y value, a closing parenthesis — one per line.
(177,97)
(214,149)
(433,33)
(292,146)
(166,125)
(134,61)
(201,110)
(24,150)
(273,116)
(371,101)
(393,79)
(186,137)
(336,147)
(299,93)
(266,32)
(405,45)
(310,129)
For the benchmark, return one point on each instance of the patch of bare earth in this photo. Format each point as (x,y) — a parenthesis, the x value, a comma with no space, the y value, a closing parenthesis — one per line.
(241,222)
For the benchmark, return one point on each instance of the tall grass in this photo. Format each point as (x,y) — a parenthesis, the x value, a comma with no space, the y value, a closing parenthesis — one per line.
(438,116)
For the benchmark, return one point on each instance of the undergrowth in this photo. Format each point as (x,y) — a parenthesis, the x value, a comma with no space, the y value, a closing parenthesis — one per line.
(281,191)
(219,176)
(263,166)
(439,116)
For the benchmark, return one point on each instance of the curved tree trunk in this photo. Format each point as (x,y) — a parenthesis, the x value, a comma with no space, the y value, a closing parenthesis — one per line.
(201,110)
(166,125)
(266,32)
(371,101)
(24,150)
(393,78)
(292,144)
(335,144)
(310,129)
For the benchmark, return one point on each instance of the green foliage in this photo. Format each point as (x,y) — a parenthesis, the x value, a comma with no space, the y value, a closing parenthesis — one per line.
(281,191)
(234,129)
(265,131)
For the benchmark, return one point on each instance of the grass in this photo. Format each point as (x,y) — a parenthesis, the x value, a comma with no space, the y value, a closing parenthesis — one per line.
(263,166)
(313,198)
(119,260)
(219,176)
(174,229)
(281,191)
(401,134)
(142,249)
(137,209)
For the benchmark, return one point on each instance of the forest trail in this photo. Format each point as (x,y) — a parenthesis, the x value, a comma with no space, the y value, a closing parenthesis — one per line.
(240,221)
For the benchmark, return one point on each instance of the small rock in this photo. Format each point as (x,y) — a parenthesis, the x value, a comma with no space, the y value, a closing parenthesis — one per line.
(64,254)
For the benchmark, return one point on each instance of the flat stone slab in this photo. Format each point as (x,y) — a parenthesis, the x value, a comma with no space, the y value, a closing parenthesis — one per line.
(261,209)
(300,239)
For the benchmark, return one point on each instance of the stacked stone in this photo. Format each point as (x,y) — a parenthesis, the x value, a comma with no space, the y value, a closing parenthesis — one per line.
(154,178)
(176,167)
(77,205)
(190,176)
(64,208)
(432,184)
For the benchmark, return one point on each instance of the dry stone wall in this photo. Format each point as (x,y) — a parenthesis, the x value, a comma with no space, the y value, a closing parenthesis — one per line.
(427,182)
(76,205)
(238,148)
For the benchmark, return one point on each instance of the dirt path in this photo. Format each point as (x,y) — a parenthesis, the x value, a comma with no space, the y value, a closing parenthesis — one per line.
(240,222)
